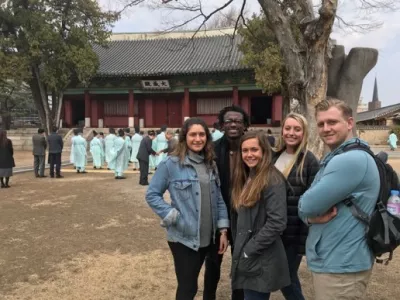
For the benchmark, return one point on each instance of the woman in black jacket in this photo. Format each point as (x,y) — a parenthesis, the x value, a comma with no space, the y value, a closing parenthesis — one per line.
(299,166)
(6,159)
(259,264)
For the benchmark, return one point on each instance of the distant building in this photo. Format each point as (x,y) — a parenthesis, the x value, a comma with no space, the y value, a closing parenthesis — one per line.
(154,79)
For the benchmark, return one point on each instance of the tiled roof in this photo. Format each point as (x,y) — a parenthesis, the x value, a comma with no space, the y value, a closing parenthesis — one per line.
(162,57)
(381,112)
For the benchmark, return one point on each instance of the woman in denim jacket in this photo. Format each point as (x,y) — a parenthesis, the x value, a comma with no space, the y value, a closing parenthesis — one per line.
(197,209)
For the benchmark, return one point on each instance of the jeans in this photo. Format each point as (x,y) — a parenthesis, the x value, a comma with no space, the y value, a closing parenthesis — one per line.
(213,273)
(187,268)
(293,291)
(253,295)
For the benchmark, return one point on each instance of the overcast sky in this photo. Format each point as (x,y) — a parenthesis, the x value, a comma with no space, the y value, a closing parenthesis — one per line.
(386,39)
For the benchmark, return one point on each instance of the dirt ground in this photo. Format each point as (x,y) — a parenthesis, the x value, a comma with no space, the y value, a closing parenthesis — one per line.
(89,236)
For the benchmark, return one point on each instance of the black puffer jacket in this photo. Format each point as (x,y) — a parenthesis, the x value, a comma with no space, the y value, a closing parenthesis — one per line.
(296,231)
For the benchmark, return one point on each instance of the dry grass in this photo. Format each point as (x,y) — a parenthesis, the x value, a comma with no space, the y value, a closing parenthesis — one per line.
(101,241)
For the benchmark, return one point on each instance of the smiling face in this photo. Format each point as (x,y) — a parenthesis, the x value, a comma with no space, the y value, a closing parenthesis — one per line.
(333,128)
(233,125)
(251,152)
(292,133)
(196,138)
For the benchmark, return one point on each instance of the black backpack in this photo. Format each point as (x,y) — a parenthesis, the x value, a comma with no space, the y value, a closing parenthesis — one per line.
(383,229)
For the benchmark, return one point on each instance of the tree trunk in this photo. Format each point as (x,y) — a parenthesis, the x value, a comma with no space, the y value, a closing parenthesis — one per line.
(6,118)
(48,117)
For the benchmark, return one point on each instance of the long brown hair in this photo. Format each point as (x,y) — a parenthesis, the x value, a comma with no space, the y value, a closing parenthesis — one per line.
(301,148)
(247,195)
(3,138)
(181,148)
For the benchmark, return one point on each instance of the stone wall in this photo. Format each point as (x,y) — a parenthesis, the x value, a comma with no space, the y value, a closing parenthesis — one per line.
(374,135)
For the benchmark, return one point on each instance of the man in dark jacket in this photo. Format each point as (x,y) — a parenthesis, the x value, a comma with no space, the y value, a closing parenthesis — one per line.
(56,145)
(234,121)
(145,150)
(171,142)
(39,152)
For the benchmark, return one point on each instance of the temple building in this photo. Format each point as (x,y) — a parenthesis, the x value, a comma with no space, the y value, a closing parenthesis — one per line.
(151,79)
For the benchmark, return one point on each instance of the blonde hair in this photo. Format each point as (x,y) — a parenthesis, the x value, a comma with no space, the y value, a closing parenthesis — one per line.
(247,195)
(302,147)
(329,102)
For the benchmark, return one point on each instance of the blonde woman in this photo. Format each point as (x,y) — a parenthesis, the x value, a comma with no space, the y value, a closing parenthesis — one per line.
(259,264)
(299,166)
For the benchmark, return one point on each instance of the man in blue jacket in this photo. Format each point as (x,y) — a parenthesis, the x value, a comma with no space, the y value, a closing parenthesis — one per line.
(336,250)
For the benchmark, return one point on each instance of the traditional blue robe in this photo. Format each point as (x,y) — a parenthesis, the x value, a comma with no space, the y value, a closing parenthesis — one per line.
(109,144)
(392,141)
(162,144)
(79,146)
(135,143)
(71,155)
(216,135)
(119,156)
(152,159)
(128,146)
(96,148)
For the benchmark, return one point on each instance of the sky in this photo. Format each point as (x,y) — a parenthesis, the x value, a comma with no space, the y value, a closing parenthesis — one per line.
(386,38)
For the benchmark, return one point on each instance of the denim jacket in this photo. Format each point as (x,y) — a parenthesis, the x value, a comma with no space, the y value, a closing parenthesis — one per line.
(181,217)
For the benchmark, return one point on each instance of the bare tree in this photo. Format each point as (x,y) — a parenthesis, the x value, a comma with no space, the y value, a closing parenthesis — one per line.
(302,31)
(226,19)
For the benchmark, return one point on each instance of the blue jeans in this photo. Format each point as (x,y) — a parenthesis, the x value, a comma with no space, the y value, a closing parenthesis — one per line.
(293,291)
(253,295)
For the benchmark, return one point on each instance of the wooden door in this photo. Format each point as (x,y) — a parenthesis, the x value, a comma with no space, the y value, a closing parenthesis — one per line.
(174,112)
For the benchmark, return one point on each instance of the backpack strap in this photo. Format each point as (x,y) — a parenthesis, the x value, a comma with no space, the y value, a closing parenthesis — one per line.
(356,211)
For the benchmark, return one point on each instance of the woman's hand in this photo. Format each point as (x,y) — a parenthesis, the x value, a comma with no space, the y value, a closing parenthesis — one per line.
(223,241)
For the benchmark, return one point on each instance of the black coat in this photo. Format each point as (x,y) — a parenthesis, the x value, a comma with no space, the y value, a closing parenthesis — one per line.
(56,143)
(145,149)
(7,156)
(257,232)
(296,231)
(221,149)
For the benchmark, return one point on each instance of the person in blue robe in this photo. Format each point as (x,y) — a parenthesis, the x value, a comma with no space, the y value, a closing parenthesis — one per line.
(217,134)
(80,156)
(162,143)
(96,149)
(103,144)
(119,155)
(135,143)
(109,144)
(71,155)
(392,140)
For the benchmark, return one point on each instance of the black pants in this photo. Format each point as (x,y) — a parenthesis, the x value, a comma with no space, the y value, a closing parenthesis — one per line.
(212,274)
(55,160)
(144,172)
(38,164)
(187,268)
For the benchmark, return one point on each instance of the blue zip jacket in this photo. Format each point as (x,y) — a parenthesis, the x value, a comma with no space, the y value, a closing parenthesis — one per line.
(181,217)
(339,246)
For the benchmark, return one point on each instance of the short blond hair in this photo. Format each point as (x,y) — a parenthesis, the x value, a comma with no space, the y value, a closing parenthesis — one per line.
(329,102)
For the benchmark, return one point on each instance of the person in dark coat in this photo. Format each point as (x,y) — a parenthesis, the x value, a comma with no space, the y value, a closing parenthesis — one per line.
(145,150)
(271,138)
(234,121)
(56,145)
(171,143)
(7,162)
(258,218)
(299,166)
(39,153)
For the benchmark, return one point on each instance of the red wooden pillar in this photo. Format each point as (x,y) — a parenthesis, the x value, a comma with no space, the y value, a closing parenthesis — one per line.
(131,109)
(88,112)
(95,113)
(277,109)
(186,105)
(235,96)
(245,104)
(68,113)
